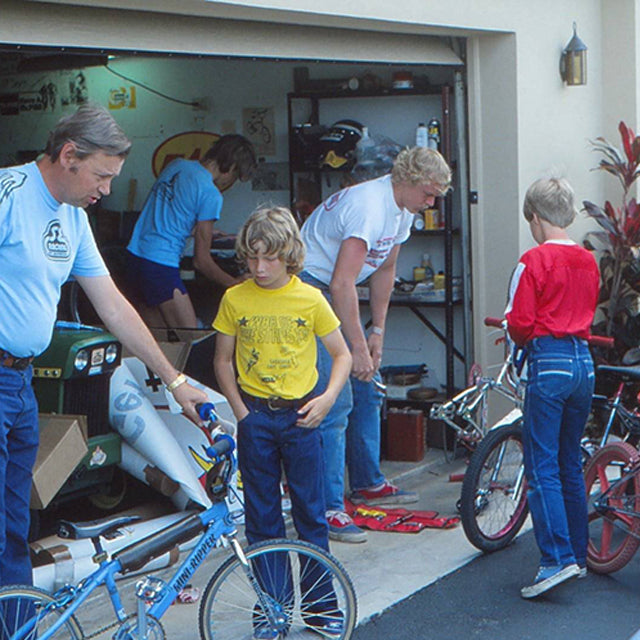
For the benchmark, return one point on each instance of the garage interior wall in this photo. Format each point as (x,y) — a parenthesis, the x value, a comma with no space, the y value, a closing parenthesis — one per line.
(224,88)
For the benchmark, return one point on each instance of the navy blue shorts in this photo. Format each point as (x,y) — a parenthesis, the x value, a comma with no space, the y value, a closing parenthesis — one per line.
(153,283)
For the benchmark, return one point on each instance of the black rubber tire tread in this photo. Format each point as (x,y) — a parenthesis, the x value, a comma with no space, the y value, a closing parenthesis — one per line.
(280,545)
(481,461)
(601,557)
(38,595)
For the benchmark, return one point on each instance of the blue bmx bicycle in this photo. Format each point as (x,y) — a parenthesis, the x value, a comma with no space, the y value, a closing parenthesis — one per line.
(270,590)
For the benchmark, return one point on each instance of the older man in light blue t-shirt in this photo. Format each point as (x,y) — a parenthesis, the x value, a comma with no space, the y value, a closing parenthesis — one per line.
(45,238)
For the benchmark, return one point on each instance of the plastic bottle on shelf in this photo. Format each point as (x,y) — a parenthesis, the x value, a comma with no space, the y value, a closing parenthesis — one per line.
(421,135)
(428,269)
(365,148)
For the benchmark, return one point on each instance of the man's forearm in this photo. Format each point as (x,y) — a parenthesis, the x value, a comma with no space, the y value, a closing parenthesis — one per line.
(345,304)
(210,270)
(380,289)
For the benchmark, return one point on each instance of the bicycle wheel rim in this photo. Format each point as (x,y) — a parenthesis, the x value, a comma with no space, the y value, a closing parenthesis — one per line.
(19,604)
(493,502)
(231,609)
(612,536)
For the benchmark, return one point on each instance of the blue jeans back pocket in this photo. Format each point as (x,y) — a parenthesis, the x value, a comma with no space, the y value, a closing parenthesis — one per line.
(553,375)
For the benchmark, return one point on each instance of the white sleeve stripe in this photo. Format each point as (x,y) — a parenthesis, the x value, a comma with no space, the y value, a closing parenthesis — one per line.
(513,285)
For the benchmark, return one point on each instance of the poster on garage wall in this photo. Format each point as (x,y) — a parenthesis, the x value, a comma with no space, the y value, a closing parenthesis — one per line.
(259,126)
(40,93)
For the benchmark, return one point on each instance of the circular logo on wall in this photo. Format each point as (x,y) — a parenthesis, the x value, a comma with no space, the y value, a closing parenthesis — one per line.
(191,145)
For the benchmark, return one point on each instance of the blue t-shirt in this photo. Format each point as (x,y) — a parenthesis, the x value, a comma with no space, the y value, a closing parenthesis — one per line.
(182,195)
(42,243)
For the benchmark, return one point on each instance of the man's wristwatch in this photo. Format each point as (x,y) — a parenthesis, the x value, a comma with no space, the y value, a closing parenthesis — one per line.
(379,331)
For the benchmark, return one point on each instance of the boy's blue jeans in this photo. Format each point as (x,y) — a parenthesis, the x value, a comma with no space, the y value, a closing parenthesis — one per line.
(19,437)
(350,431)
(268,441)
(560,383)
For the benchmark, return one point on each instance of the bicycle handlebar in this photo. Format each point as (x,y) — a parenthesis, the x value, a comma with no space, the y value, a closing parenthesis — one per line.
(594,341)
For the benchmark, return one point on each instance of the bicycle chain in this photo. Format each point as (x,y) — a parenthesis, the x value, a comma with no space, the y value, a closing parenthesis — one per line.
(102,630)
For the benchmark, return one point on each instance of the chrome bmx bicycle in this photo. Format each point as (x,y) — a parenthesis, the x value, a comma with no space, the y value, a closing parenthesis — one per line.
(270,590)
(493,500)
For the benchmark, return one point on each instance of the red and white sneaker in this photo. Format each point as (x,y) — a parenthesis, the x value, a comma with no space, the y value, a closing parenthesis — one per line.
(386,493)
(343,529)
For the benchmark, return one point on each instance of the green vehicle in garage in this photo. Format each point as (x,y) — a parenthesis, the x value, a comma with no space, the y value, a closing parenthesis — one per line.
(72,377)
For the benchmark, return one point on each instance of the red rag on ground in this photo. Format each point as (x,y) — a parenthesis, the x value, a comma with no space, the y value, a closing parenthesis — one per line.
(379,518)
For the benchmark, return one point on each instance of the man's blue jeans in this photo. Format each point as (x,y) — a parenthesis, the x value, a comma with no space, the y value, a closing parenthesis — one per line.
(560,383)
(350,431)
(18,448)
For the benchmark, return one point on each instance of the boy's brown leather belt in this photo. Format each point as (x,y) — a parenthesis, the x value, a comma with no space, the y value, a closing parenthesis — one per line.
(274,402)
(11,361)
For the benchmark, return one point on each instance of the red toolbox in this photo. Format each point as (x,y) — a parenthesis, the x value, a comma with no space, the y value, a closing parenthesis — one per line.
(405,434)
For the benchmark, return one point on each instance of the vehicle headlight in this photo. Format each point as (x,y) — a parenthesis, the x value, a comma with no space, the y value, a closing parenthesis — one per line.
(82,359)
(111,353)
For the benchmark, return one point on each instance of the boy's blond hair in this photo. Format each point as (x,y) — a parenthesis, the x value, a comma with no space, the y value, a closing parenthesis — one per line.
(278,232)
(421,165)
(551,199)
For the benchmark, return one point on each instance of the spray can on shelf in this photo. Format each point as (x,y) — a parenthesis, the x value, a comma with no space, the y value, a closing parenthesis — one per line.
(422,135)
(433,134)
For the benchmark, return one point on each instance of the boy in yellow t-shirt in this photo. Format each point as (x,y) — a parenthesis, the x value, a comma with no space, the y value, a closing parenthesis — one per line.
(265,366)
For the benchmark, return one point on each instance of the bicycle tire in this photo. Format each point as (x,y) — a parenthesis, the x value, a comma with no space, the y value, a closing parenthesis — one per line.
(612,541)
(15,601)
(490,515)
(229,609)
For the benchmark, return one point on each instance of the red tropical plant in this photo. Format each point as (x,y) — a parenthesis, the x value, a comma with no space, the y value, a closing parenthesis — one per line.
(620,261)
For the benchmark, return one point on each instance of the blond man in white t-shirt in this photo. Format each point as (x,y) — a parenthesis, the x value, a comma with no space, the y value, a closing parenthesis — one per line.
(353,236)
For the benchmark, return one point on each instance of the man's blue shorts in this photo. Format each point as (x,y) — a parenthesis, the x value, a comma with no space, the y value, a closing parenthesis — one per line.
(153,283)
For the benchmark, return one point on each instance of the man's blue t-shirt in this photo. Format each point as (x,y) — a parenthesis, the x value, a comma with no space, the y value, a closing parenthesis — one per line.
(183,195)
(42,243)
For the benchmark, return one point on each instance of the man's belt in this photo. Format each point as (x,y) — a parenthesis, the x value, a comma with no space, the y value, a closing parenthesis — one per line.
(12,362)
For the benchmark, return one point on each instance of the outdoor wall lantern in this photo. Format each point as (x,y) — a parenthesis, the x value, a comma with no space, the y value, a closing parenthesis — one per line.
(573,61)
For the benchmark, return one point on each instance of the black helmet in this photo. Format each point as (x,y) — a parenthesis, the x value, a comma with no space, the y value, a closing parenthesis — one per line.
(338,144)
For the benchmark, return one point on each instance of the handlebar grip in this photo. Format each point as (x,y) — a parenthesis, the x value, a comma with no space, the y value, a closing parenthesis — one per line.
(493,322)
(206,410)
(601,341)
(222,445)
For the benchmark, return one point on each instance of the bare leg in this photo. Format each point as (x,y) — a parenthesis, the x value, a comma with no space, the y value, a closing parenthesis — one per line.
(178,313)
(152,316)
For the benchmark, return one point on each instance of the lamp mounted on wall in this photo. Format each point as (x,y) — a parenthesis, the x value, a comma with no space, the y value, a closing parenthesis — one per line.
(573,61)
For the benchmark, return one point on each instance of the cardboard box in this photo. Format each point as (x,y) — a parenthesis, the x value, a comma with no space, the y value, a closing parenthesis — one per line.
(177,344)
(63,444)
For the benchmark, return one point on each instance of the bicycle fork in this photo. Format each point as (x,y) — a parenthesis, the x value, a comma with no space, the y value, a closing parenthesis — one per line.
(517,485)
(277,618)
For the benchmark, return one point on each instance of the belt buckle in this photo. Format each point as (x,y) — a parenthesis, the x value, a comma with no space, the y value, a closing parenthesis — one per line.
(272,403)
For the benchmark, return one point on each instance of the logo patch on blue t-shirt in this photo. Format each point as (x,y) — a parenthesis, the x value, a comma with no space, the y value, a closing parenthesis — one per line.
(9,182)
(54,242)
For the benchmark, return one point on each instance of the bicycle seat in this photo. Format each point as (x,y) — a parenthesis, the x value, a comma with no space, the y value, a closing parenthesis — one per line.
(93,528)
(626,374)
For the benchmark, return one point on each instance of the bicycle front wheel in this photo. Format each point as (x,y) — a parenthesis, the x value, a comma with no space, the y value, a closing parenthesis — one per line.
(20,604)
(612,532)
(493,502)
(289,589)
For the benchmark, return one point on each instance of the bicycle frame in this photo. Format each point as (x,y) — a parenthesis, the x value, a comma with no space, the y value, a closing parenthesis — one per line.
(468,402)
(218,528)
(602,506)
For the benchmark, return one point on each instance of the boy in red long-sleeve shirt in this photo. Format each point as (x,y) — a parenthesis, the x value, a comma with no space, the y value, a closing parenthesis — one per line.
(552,300)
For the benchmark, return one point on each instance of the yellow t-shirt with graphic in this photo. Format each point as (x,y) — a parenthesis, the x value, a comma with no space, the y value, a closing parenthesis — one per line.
(275,331)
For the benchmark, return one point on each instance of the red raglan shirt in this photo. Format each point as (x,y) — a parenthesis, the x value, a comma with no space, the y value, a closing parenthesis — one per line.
(553,292)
